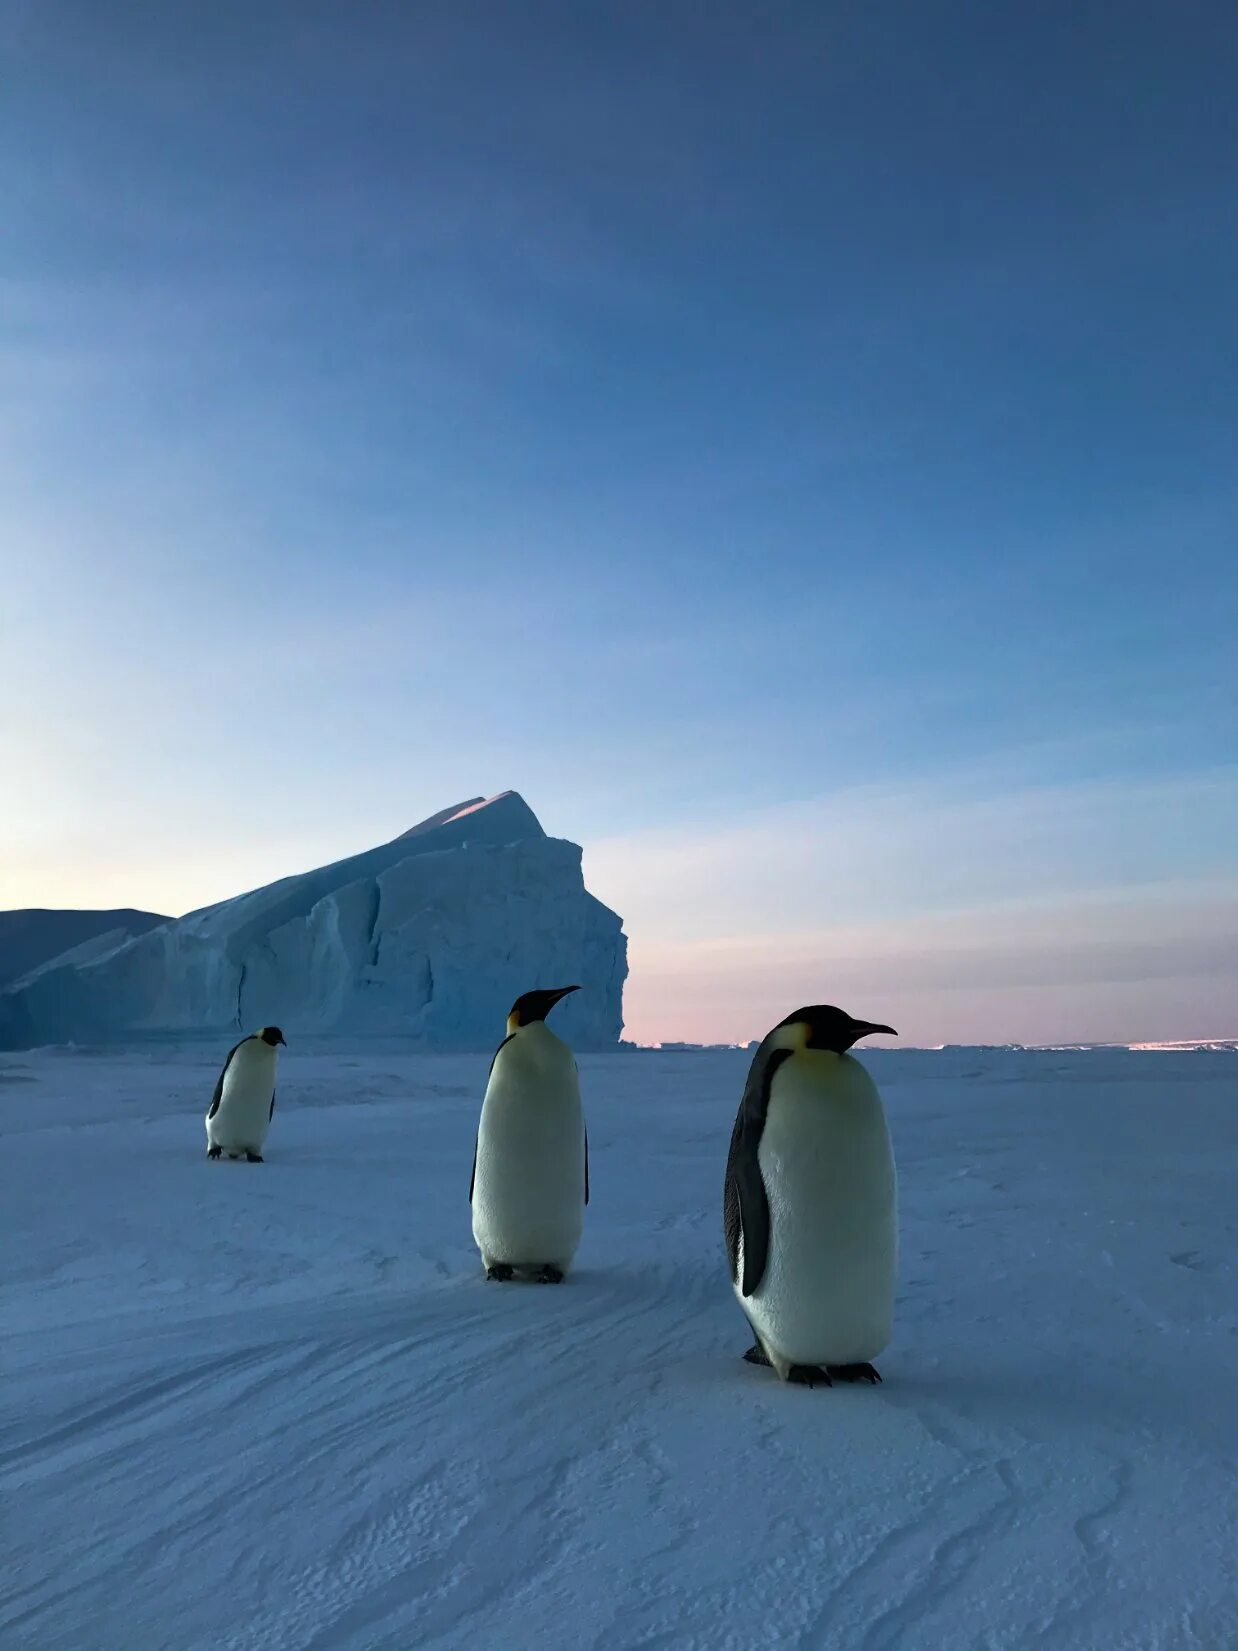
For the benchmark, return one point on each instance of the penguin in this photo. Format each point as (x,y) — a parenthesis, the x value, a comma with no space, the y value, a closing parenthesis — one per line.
(530,1180)
(809,1207)
(244,1100)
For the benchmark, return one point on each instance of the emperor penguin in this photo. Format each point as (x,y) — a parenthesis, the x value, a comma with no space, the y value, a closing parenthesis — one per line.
(810,1203)
(244,1100)
(530,1179)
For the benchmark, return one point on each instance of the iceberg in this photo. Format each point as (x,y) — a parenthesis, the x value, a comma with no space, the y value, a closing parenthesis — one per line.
(33,938)
(431,936)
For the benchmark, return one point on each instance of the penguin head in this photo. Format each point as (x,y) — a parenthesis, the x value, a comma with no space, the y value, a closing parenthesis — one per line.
(535,1006)
(272,1035)
(821,1026)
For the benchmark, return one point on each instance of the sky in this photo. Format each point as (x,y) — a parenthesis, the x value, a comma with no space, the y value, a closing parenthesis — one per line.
(794,446)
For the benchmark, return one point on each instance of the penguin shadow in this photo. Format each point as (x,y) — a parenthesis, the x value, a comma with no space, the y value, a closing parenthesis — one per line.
(971,1395)
(647,1284)
(616,1286)
(592,1280)
(1039,1402)
(292,1156)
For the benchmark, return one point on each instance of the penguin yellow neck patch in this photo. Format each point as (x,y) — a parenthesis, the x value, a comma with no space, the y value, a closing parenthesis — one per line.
(794,1036)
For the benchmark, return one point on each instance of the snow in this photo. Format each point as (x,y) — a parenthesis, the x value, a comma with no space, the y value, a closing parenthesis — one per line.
(433,935)
(276,1406)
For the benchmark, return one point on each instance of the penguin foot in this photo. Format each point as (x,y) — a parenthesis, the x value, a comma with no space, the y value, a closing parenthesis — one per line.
(548,1275)
(756,1354)
(214,1152)
(253,1158)
(499,1270)
(854,1373)
(809,1375)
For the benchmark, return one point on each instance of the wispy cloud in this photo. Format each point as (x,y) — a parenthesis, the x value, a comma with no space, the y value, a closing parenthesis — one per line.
(933,845)
(901,897)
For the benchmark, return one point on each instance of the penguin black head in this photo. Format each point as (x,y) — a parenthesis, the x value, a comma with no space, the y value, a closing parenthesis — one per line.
(532,1006)
(821,1026)
(272,1035)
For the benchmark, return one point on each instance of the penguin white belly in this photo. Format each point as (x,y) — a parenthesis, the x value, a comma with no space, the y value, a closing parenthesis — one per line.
(529,1183)
(244,1115)
(827,1295)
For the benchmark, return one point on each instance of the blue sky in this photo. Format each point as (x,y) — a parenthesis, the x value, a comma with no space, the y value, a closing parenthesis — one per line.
(793,446)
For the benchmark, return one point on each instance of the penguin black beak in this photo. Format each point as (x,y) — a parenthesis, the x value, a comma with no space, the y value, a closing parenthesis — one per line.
(866,1028)
(284,1041)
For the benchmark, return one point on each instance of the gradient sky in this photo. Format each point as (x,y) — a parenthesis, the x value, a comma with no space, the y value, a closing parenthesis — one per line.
(794,446)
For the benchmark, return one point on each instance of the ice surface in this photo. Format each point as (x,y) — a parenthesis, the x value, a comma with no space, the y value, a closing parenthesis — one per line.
(277,1407)
(432,936)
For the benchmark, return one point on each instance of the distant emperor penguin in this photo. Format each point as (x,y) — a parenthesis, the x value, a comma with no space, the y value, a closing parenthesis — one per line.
(809,1206)
(531,1164)
(244,1100)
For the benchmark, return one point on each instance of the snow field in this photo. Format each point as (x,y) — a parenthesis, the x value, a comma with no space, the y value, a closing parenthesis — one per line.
(277,1406)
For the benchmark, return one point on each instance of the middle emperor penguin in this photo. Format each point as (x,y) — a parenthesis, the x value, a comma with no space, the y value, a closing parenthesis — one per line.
(244,1100)
(531,1165)
(809,1206)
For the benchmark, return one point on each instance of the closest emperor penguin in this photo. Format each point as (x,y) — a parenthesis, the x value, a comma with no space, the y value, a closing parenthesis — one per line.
(531,1165)
(809,1207)
(244,1100)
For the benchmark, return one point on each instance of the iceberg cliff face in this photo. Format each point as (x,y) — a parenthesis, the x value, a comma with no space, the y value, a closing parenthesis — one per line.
(430,936)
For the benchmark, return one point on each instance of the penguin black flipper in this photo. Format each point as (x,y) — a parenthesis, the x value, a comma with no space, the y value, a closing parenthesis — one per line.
(271,1113)
(219,1082)
(730,1205)
(746,1213)
(586,1166)
(745,1205)
(473,1176)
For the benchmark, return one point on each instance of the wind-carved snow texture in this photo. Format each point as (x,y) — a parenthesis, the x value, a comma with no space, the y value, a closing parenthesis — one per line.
(432,936)
(278,1407)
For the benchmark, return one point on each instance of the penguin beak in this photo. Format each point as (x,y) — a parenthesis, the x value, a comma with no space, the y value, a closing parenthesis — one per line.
(866,1028)
(284,1041)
